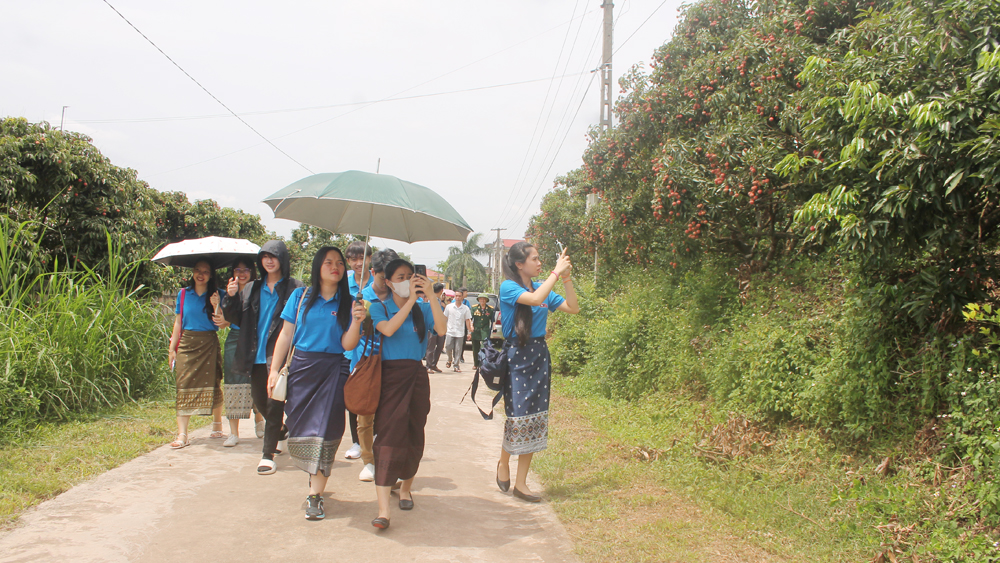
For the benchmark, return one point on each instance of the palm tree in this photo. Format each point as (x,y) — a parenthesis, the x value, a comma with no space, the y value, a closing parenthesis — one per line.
(462,259)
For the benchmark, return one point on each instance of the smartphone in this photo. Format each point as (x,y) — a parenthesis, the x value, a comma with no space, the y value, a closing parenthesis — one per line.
(420,269)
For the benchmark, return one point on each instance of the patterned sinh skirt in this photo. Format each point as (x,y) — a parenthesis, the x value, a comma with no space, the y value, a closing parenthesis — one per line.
(526,398)
(315,409)
(400,419)
(239,403)
(199,373)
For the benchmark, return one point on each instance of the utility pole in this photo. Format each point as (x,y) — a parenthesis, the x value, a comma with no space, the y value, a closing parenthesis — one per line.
(497,262)
(62,119)
(606,65)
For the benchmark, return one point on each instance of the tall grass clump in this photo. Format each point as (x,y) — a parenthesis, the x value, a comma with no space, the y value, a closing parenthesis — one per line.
(73,340)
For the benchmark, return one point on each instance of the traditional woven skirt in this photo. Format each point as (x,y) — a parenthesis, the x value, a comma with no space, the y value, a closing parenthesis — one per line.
(400,419)
(199,373)
(239,402)
(314,408)
(526,398)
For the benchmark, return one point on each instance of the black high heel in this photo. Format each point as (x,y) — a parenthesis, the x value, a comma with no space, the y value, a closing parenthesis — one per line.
(504,485)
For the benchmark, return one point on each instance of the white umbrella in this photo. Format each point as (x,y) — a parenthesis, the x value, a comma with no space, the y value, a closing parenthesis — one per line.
(218,251)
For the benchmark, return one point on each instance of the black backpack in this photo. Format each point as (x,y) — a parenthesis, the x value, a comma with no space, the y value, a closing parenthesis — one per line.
(494,371)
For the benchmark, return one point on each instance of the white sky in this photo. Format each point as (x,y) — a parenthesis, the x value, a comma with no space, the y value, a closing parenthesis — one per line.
(480,149)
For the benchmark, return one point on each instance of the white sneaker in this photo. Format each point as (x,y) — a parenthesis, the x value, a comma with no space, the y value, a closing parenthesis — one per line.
(259,429)
(354,452)
(231,441)
(368,473)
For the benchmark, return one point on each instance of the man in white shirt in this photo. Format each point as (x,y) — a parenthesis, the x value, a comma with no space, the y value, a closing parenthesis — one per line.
(459,325)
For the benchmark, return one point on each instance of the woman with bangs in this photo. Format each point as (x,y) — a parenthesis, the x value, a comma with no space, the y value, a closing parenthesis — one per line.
(194,351)
(321,322)
(405,399)
(524,309)
(238,398)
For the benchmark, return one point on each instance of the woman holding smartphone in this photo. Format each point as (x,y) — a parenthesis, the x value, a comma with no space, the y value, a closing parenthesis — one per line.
(405,399)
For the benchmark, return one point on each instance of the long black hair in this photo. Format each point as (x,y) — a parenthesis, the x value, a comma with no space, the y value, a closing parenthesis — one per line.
(522,313)
(213,287)
(345,302)
(418,315)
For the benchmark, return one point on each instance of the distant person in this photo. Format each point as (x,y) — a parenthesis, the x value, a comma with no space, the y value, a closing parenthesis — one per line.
(405,398)
(194,351)
(482,325)
(459,324)
(358,256)
(364,425)
(435,342)
(524,311)
(321,322)
(256,309)
(238,399)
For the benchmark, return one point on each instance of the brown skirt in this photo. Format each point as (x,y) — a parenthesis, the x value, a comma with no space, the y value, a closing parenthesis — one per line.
(199,373)
(400,419)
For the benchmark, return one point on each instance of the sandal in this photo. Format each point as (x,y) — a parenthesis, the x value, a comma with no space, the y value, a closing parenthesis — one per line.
(179,443)
(216,430)
(266,467)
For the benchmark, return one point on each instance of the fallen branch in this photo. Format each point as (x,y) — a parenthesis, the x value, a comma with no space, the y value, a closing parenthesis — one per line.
(788,508)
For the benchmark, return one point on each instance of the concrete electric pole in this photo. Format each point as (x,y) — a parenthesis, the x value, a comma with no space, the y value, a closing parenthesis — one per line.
(497,262)
(606,65)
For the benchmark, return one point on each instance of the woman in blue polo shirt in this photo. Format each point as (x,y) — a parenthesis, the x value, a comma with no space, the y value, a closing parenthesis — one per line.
(320,322)
(194,351)
(524,310)
(405,399)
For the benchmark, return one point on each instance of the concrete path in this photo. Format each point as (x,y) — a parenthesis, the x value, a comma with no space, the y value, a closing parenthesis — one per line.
(206,503)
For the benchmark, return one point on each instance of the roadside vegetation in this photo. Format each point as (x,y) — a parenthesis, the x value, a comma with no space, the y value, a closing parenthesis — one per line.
(794,324)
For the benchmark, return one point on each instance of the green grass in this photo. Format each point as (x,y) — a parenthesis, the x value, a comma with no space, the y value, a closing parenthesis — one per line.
(53,457)
(801,499)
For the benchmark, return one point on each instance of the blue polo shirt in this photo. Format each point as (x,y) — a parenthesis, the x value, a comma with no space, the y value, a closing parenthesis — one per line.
(194,318)
(353,285)
(405,343)
(355,355)
(316,329)
(509,292)
(268,303)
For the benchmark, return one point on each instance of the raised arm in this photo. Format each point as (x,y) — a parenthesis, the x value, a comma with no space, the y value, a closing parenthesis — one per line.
(232,302)
(537,297)
(351,338)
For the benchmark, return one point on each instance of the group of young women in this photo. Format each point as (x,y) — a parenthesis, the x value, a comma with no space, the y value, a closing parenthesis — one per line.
(318,330)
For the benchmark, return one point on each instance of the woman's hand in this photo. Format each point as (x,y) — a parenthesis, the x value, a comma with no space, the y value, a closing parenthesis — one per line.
(358,313)
(563,266)
(171,356)
(219,320)
(233,287)
(272,380)
(417,283)
(214,300)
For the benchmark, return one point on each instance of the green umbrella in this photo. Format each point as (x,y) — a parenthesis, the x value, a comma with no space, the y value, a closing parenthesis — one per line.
(362,203)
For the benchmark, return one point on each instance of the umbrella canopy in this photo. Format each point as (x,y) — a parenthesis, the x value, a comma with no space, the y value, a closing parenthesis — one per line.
(353,202)
(219,251)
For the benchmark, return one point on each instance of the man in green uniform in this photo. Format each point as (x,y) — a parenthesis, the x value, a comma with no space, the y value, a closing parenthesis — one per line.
(482,325)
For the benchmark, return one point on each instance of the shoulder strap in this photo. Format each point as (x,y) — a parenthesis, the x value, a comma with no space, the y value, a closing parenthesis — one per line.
(291,349)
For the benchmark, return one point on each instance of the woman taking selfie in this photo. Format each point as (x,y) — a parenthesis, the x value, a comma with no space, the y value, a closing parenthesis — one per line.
(406,395)
(194,351)
(238,399)
(524,310)
(321,322)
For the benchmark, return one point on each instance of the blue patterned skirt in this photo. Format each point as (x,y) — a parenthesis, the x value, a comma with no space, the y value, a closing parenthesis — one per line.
(314,409)
(239,403)
(526,398)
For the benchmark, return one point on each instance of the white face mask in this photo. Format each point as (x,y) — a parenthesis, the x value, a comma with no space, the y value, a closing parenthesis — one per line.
(401,289)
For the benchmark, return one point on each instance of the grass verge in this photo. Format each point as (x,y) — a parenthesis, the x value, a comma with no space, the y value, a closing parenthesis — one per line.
(643,481)
(55,456)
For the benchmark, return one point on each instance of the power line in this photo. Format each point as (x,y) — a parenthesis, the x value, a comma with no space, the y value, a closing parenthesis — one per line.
(312,108)
(518,180)
(552,163)
(640,25)
(186,73)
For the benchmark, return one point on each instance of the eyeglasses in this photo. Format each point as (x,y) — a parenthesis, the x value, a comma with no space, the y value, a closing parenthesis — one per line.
(241,270)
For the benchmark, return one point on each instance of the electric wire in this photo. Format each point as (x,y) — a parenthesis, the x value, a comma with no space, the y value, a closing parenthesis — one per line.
(640,26)
(518,180)
(213,96)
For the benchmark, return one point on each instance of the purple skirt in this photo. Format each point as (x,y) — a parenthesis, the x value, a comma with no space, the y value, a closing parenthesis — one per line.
(314,409)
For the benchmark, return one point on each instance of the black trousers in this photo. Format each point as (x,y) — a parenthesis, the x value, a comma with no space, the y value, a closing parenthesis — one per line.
(273,411)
